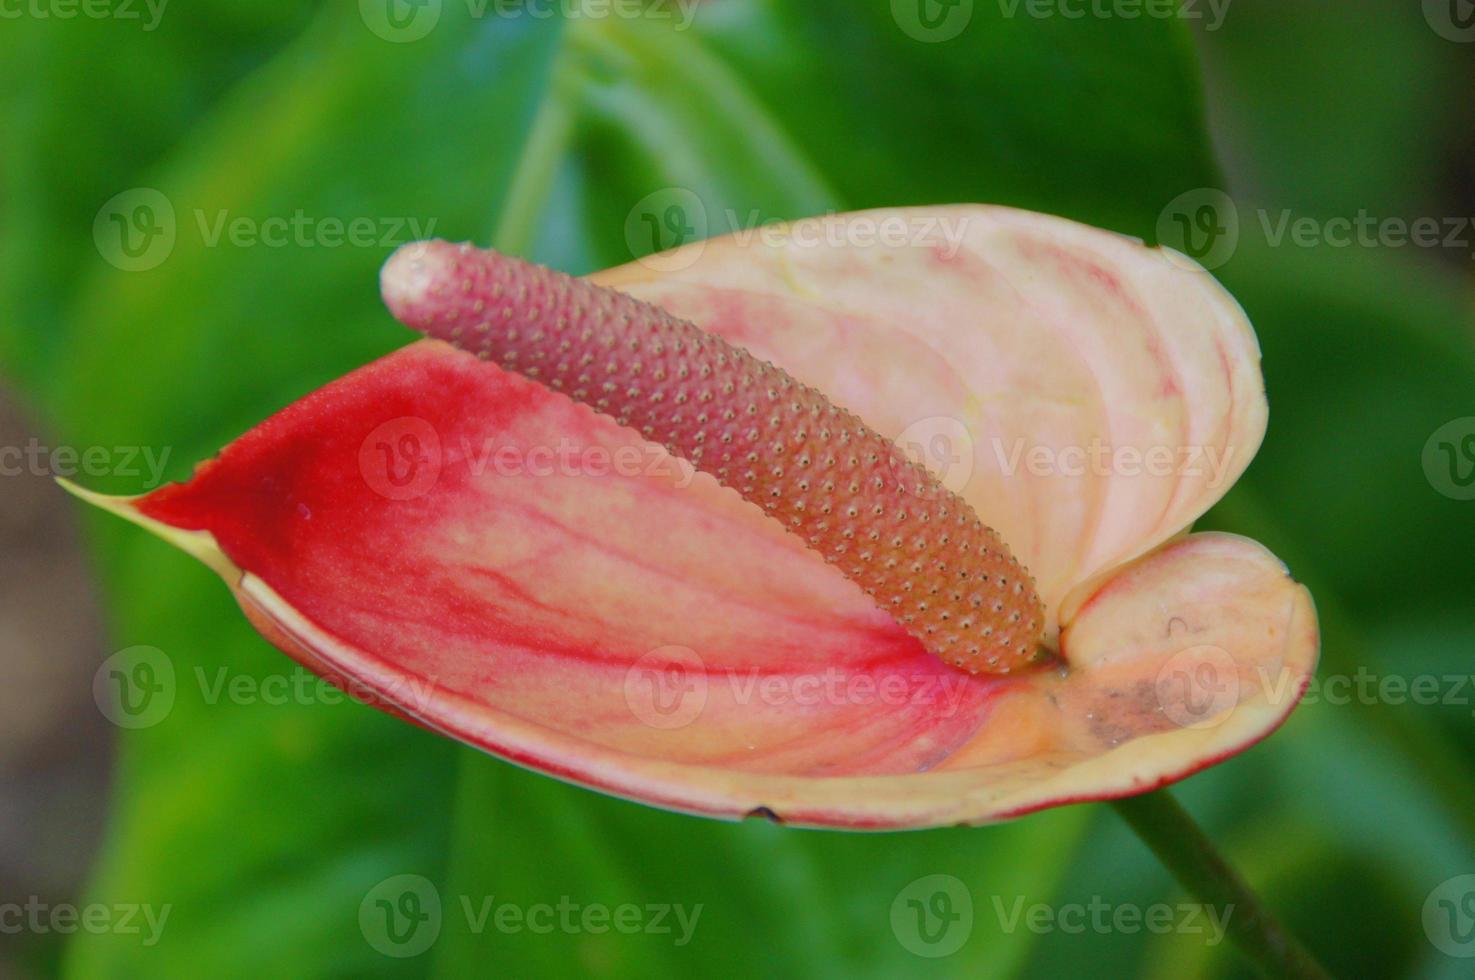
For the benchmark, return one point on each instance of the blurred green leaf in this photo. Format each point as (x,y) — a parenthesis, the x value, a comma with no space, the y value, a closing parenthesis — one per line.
(262,825)
(551,139)
(110,96)
(784,902)
(1316,104)
(1366,354)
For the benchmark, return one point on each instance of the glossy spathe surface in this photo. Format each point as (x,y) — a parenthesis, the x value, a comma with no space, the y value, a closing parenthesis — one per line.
(639,629)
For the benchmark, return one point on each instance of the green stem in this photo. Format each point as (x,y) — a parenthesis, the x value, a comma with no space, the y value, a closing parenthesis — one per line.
(1182,846)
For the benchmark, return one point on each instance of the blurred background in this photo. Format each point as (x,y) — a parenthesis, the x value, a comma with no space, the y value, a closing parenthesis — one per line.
(194,202)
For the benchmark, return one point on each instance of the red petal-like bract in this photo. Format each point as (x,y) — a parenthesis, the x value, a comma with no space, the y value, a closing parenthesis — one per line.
(477,552)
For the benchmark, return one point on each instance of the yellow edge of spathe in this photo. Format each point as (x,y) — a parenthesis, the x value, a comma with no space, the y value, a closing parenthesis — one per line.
(199,544)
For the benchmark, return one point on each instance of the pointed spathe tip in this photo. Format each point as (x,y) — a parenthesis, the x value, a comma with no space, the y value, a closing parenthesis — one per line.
(199,544)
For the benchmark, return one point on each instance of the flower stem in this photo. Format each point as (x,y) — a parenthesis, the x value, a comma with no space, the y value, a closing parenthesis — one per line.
(1165,827)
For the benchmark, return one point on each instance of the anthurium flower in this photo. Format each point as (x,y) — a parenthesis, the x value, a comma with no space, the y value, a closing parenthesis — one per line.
(496,562)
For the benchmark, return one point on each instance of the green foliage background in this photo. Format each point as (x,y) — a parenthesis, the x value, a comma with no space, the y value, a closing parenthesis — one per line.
(264,826)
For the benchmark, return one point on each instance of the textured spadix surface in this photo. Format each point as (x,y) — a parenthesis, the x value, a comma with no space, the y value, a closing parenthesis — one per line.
(847,491)
(501,564)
